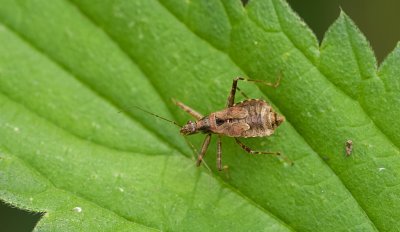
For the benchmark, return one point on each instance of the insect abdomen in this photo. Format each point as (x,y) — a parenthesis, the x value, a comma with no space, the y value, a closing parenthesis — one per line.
(261,118)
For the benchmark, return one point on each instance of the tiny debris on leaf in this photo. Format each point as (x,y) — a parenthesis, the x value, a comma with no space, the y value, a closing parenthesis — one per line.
(349,147)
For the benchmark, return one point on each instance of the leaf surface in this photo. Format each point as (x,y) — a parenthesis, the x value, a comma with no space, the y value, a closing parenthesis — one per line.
(72,146)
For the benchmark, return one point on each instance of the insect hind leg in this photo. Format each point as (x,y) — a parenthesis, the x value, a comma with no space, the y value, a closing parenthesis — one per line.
(251,151)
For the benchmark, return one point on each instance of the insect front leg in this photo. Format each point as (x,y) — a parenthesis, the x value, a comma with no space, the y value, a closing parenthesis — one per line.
(251,151)
(189,110)
(204,148)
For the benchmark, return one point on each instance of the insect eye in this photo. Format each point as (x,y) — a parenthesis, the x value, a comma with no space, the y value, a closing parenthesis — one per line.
(219,122)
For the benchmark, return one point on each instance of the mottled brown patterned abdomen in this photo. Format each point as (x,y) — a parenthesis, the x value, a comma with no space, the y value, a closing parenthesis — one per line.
(250,118)
(262,119)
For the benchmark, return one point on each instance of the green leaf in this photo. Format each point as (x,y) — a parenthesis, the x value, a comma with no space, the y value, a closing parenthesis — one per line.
(73,147)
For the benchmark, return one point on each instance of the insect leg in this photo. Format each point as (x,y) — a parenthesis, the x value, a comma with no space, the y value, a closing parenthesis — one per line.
(203,149)
(195,153)
(189,110)
(276,84)
(219,153)
(251,151)
(231,97)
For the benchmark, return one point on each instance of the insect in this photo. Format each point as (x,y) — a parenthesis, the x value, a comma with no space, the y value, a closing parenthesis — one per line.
(349,147)
(245,119)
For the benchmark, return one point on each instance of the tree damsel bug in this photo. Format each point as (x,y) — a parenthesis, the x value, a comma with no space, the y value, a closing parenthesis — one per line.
(245,119)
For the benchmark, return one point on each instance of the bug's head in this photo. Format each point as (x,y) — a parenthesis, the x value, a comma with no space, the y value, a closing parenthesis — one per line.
(189,128)
(279,119)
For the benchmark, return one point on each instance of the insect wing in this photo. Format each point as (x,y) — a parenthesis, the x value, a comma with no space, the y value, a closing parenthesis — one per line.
(232,113)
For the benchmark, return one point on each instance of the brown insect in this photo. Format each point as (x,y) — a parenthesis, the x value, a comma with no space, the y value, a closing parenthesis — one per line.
(249,118)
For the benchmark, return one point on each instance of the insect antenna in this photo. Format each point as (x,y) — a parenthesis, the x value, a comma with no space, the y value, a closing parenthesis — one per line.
(155,115)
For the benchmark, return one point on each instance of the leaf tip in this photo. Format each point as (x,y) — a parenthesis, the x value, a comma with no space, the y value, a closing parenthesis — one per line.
(343,16)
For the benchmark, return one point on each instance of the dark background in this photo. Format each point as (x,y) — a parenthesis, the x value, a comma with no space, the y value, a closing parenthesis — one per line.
(378,20)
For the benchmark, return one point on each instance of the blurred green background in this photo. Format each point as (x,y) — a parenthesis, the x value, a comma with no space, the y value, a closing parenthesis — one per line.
(376,19)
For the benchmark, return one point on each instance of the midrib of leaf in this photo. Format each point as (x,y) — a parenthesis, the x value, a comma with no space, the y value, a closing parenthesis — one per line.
(28,165)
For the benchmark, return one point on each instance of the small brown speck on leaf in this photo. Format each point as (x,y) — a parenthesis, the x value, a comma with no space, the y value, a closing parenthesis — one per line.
(349,147)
